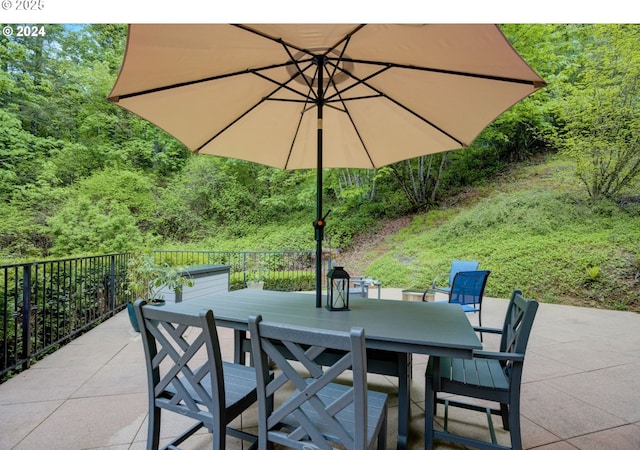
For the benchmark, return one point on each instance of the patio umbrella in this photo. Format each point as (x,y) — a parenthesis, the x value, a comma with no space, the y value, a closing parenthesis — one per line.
(314,96)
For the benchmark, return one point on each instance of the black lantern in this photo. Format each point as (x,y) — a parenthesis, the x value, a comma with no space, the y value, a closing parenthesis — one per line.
(337,289)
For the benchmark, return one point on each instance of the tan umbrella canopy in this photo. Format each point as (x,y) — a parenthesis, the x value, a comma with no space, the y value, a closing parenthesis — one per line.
(301,96)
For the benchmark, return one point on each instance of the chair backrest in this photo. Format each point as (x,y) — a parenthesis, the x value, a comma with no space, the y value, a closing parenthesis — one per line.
(468,287)
(184,363)
(458,265)
(518,323)
(360,287)
(316,411)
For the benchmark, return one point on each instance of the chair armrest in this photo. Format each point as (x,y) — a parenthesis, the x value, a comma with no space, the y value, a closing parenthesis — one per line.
(488,330)
(500,356)
(435,289)
(437,277)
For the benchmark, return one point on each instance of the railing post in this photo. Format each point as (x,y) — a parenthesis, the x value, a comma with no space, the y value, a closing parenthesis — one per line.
(112,284)
(244,268)
(26,316)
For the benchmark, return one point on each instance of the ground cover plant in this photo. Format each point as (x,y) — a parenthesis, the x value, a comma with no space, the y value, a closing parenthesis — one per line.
(534,229)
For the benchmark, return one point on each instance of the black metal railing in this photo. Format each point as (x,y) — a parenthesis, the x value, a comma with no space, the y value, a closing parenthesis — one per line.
(46,304)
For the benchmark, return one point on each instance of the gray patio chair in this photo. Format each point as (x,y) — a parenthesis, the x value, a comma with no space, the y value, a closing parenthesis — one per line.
(359,288)
(489,376)
(186,375)
(302,407)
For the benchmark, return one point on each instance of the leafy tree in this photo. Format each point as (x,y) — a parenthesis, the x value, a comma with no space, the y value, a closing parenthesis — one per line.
(14,151)
(419,178)
(28,182)
(22,233)
(100,42)
(75,161)
(283,191)
(602,130)
(136,191)
(106,212)
(85,227)
(32,63)
(209,193)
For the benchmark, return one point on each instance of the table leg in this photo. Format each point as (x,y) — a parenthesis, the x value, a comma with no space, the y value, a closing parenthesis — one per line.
(404,399)
(239,356)
(436,373)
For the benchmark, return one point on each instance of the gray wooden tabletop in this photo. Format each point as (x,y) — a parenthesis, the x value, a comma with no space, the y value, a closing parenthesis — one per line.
(438,329)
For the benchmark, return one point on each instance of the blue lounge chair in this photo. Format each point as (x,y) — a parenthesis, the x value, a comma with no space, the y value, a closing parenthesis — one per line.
(456,266)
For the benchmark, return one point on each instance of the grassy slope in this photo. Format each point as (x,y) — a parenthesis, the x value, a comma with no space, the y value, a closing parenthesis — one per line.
(532,228)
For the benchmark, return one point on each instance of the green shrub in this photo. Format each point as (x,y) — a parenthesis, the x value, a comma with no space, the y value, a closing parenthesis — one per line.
(278,281)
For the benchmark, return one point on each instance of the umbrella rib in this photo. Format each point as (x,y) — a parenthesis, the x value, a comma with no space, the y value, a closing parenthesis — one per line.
(336,66)
(348,99)
(284,85)
(271,38)
(448,72)
(355,128)
(300,49)
(293,141)
(358,82)
(304,99)
(387,66)
(363,82)
(300,72)
(255,71)
(234,121)
(425,120)
(262,100)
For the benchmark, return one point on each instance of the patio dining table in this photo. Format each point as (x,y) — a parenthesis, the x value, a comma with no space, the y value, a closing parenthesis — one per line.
(403,328)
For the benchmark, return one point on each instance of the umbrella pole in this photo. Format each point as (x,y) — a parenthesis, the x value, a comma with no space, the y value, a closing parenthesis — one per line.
(319,235)
(319,225)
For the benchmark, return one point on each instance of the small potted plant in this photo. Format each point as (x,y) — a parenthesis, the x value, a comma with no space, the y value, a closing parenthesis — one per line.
(255,283)
(146,280)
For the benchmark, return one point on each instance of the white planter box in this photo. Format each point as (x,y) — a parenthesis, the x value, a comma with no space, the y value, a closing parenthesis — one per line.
(207,279)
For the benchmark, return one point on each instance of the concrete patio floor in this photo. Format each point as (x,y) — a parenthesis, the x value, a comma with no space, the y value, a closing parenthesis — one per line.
(581,388)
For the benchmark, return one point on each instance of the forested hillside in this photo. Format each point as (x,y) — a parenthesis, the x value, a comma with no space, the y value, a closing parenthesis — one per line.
(80,176)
